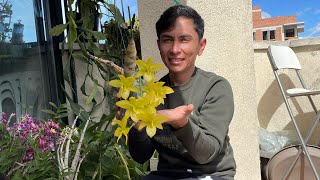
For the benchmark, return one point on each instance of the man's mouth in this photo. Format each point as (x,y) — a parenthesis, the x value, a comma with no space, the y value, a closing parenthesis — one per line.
(175,61)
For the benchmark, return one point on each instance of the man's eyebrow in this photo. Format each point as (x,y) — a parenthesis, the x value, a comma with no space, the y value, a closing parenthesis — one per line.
(185,36)
(182,36)
(165,36)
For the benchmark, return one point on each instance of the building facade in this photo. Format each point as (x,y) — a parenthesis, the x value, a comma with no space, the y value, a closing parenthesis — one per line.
(30,59)
(275,29)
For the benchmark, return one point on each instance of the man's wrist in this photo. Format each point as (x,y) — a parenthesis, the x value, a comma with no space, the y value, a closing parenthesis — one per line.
(180,124)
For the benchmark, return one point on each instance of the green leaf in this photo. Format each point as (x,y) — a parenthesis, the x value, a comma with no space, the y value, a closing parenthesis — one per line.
(94,48)
(66,94)
(139,172)
(72,34)
(79,110)
(70,2)
(62,115)
(58,29)
(80,57)
(93,93)
(48,111)
(17,175)
(98,35)
(116,13)
(66,72)
(61,106)
(83,86)
(76,108)
(62,110)
(53,104)
(106,120)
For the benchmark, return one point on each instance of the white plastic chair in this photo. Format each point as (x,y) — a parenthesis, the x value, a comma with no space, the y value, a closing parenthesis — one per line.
(283,57)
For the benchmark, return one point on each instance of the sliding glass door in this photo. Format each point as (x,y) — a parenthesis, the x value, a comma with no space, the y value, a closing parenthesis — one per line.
(29,58)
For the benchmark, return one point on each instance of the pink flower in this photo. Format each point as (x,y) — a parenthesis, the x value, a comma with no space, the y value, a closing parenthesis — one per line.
(4,121)
(4,116)
(29,155)
(30,128)
(51,146)
(42,142)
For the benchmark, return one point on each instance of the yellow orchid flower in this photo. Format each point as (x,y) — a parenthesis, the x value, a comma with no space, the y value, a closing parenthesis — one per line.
(147,69)
(151,121)
(132,106)
(125,85)
(157,91)
(122,129)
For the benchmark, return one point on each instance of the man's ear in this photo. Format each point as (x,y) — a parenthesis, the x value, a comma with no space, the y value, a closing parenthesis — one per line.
(158,42)
(202,45)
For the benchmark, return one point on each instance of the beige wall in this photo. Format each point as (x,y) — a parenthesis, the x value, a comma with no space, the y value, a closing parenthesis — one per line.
(272,113)
(229,52)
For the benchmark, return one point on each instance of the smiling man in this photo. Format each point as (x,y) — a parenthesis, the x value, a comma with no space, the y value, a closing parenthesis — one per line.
(194,142)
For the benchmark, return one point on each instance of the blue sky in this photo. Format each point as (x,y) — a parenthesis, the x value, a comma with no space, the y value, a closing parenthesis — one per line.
(133,4)
(307,11)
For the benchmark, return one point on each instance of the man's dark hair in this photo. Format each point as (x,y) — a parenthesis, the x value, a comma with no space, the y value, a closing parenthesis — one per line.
(169,17)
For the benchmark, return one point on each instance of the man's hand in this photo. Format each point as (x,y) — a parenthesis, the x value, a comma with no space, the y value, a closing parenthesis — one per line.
(177,117)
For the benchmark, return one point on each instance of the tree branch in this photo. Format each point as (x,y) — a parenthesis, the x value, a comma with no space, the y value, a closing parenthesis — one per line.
(117,68)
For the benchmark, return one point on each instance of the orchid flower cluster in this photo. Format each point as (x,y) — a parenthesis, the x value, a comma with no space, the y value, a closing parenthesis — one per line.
(26,128)
(142,108)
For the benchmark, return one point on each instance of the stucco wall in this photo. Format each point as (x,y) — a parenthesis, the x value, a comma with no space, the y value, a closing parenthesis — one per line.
(272,113)
(80,71)
(229,52)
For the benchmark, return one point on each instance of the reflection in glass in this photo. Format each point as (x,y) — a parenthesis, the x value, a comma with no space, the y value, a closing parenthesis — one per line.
(22,71)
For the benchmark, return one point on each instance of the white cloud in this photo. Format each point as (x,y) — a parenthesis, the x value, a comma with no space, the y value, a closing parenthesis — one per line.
(317,12)
(315,31)
(304,11)
(265,15)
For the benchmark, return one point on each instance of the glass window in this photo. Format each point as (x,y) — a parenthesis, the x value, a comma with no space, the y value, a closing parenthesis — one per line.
(265,35)
(289,32)
(272,35)
(25,57)
(254,36)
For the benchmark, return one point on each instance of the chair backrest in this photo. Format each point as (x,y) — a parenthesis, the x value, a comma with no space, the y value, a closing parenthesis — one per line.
(283,57)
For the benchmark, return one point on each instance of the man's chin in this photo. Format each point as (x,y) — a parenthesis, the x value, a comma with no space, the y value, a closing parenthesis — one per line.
(175,70)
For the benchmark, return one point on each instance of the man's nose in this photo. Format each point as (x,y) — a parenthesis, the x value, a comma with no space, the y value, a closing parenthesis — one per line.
(175,47)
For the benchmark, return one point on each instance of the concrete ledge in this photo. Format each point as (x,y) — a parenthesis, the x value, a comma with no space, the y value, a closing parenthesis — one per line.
(290,43)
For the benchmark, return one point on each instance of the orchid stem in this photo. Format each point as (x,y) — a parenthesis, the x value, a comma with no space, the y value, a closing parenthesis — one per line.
(124,162)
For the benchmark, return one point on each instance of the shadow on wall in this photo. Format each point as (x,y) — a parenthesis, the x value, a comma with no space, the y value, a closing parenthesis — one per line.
(304,121)
(314,54)
(272,100)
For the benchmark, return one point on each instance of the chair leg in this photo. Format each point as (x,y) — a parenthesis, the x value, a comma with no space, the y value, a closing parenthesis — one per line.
(302,141)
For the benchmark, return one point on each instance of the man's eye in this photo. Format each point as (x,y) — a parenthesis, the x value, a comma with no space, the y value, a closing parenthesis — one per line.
(166,40)
(185,40)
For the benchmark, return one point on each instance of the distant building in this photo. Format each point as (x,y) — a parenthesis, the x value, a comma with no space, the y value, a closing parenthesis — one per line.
(275,29)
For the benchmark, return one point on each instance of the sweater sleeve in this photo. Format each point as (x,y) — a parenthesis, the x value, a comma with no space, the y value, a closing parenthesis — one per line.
(205,133)
(140,145)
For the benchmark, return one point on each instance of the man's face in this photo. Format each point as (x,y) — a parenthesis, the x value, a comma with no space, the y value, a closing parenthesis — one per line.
(180,46)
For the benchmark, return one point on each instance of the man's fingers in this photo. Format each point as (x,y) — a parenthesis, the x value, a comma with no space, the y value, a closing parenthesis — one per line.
(190,108)
(187,109)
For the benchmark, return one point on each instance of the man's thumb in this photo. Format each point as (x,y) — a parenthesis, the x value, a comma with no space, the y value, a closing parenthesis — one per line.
(190,108)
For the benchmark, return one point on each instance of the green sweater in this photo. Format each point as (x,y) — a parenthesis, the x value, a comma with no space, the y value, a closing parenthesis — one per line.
(202,146)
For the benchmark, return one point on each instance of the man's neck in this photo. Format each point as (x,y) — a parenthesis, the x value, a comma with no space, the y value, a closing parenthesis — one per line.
(180,79)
